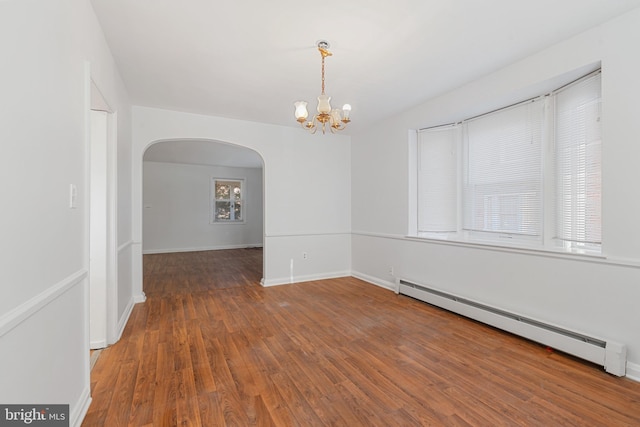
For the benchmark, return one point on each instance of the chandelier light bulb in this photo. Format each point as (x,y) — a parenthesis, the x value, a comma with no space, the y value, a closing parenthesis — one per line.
(346,110)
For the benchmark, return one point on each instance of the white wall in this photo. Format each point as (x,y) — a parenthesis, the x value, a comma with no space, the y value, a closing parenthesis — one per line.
(177,209)
(596,296)
(44,83)
(307,193)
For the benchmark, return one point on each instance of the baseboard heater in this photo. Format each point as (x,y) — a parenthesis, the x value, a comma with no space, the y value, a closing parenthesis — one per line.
(610,354)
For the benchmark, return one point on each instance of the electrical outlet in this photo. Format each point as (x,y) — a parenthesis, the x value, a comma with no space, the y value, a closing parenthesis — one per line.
(391,270)
(305,255)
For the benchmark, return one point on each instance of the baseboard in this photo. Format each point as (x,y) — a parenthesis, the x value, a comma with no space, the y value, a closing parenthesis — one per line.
(137,299)
(93,345)
(199,249)
(81,408)
(375,281)
(28,308)
(633,371)
(301,279)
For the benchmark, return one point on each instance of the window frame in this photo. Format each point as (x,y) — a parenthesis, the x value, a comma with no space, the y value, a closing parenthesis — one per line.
(242,201)
(547,239)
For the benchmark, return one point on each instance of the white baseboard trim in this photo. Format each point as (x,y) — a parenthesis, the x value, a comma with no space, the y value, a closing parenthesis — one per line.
(28,308)
(94,345)
(301,279)
(81,408)
(375,281)
(633,371)
(199,249)
(137,299)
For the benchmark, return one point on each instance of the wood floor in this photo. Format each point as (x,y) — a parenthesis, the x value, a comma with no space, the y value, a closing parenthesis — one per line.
(211,347)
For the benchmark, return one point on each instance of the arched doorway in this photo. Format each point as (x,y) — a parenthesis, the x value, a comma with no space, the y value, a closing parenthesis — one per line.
(184,208)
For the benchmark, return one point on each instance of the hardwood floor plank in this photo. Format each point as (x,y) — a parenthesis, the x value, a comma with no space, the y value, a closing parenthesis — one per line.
(144,388)
(210,347)
(301,410)
(187,409)
(210,409)
(164,398)
(120,406)
(205,382)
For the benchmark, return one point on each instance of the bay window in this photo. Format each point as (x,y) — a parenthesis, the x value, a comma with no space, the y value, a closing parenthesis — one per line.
(525,175)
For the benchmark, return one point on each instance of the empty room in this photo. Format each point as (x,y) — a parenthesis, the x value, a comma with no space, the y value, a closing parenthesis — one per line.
(346,213)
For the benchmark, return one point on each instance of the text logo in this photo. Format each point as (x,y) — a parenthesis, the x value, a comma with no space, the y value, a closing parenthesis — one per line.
(34,415)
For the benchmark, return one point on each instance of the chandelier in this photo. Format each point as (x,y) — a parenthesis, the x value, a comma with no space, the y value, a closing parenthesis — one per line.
(335,119)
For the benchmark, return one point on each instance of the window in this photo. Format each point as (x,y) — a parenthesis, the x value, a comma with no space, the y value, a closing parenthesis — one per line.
(528,174)
(227,200)
(502,171)
(578,165)
(438,181)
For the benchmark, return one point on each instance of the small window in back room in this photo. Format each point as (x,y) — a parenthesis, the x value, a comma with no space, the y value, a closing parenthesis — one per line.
(227,200)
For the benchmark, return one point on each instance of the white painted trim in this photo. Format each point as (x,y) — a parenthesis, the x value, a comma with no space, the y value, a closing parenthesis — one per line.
(300,279)
(28,308)
(122,322)
(375,281)
(94,345)
(306,234)
(136,271)
(596,259)
(125,245)
(81,408)
(137,299)
(633,371)
(198,249)
(112,227)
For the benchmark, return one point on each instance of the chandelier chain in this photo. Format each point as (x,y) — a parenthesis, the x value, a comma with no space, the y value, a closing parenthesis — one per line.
(322,74)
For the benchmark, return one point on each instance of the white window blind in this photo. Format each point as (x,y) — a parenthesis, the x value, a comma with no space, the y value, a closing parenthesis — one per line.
(437,180)
(483,179)
(577,151)
(502,171)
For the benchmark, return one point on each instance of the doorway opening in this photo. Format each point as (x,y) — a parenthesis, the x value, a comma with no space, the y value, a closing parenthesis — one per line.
(185,232)
(102,223)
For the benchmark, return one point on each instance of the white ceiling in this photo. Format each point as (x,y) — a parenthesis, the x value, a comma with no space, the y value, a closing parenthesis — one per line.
(251,59)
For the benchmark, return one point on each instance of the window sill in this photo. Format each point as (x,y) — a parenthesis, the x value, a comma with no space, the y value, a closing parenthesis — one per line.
(526,249)
(227,222)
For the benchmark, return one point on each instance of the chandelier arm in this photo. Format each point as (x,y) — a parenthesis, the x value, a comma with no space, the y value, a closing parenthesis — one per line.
(310,125)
